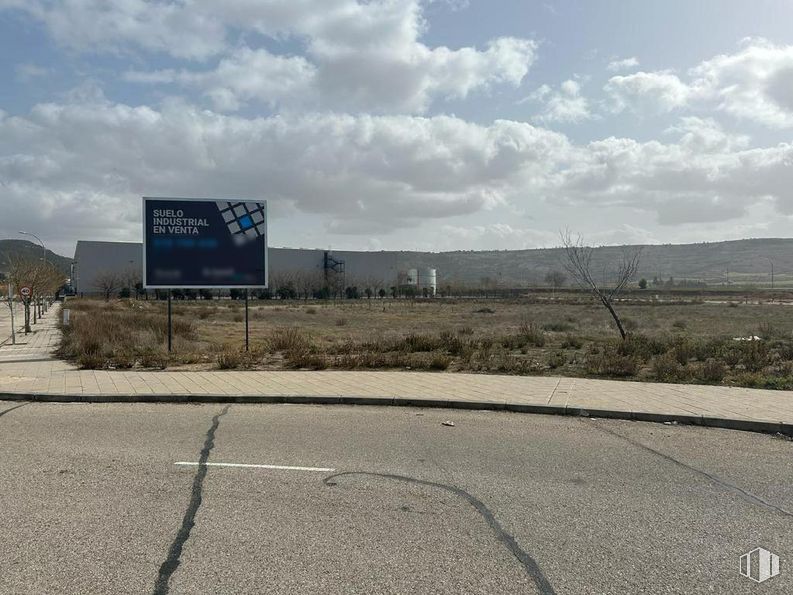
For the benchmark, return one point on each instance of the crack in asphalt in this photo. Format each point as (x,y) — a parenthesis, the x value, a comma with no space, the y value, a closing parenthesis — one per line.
(4,411)
(172,561)
(529,564)
(748,496)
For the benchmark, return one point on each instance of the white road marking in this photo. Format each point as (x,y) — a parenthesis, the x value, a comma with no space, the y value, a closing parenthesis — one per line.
(247,466)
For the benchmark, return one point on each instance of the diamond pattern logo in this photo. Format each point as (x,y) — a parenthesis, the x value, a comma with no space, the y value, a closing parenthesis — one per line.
(244,220)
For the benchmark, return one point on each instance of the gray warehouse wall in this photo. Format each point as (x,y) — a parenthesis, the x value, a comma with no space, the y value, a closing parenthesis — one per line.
(94,258)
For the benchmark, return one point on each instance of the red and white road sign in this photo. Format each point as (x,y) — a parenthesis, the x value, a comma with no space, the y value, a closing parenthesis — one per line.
(25,291)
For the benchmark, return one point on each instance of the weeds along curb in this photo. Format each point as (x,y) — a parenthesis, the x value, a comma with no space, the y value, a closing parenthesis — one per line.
(764,427)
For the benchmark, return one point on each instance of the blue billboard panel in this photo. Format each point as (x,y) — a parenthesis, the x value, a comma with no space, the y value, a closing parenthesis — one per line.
(199,243)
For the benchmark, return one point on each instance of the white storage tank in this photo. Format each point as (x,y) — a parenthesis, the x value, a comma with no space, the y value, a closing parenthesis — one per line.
(412,277)
(428,279)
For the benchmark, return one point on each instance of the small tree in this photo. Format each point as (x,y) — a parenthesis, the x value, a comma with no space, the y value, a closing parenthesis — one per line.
(107,282)
(643,284)
(579,264)
(555,279)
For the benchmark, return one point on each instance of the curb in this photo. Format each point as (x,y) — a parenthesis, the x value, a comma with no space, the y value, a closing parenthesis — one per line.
(764,427)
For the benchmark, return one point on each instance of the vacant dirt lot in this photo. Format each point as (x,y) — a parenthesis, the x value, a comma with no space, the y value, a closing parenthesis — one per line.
(670,341)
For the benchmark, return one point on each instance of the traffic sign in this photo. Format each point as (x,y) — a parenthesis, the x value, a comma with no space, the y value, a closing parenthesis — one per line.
(25,291)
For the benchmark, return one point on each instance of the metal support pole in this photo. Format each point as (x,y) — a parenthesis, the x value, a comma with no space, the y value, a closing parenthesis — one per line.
(11,307)
(247,344)
(170,325)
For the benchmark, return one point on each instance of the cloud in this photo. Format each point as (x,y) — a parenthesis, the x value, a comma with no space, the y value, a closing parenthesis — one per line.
(28,71)
(623,64)
(96,25)
(362,170)
(753,84)
(80,167)
(355,55)
(495,236)
(656,92)
(244,76)
(566,105)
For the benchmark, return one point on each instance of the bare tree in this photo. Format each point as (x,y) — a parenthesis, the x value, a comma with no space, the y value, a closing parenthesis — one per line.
(42,278)
(107,282)
(579,265)
(307,283)
(555,279)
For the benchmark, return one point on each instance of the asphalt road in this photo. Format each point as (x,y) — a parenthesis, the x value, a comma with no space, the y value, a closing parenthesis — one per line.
(91,501)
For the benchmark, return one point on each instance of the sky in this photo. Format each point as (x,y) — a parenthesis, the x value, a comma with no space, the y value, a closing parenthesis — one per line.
(402,124)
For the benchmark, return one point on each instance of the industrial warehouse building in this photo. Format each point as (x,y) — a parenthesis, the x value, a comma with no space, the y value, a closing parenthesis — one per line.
(93,260)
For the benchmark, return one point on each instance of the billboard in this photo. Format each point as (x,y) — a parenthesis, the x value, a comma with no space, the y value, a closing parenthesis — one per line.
(198,243)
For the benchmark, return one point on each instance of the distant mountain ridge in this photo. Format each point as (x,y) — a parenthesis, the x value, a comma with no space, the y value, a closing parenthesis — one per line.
(735,261)
(23,249)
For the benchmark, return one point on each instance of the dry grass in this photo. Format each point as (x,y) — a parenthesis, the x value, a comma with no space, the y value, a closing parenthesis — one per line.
(671,342)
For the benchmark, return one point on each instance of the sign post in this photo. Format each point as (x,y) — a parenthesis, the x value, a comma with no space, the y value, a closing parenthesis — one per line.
(11,307)
(195,243)
(247,345)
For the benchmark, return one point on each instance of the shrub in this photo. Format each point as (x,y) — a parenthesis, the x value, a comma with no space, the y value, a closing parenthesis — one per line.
(572,342)
(486,343)
(680,324)
(629,324)
(311,310)
(713,370)
(485,311)
(228,360)
(683,350)
(303,358)
(238,318)
(557,359)
(414,343)
(288,339)
(90,361)
(465,330)
(439,362)
(341,322)
(769,330)
(666,368)
(123,360)
(529,333)
(639,346)
(452,343)
(557,327)
(612,363)
(752,355)
(154,359)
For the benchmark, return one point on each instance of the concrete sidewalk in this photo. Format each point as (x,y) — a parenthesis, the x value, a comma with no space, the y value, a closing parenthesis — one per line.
(29,372)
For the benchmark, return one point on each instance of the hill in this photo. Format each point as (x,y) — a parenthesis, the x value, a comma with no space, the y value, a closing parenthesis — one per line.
(739,261)
(23,249)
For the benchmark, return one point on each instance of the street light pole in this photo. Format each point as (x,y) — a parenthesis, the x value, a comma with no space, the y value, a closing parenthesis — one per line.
(771,262)
(44,250)
(43,247)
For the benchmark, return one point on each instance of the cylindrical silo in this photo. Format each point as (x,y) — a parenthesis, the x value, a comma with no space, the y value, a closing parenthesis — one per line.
(412,277)
(428,279)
